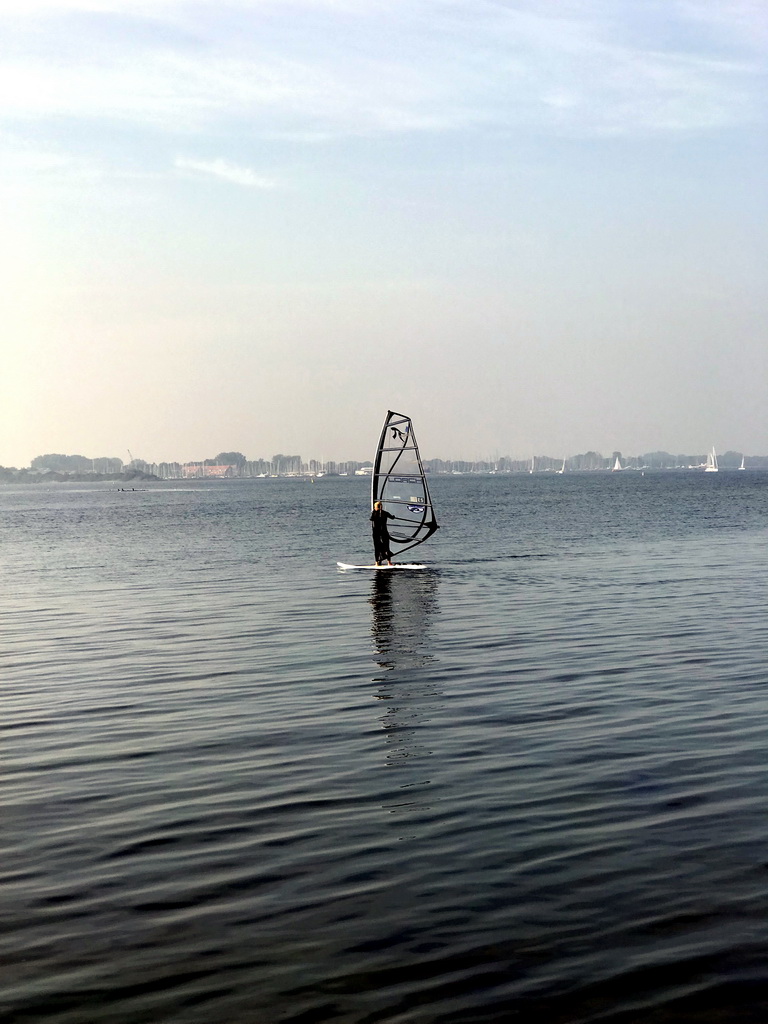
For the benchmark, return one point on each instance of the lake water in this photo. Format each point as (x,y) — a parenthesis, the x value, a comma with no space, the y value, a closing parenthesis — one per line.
(242,787)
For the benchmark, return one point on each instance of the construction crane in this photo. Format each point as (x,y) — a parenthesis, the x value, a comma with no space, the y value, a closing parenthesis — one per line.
(129,455)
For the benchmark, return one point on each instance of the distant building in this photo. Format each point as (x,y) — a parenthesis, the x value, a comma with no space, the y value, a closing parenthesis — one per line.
(199,470)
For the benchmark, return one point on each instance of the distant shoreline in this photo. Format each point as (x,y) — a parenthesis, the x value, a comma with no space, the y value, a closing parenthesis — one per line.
(26,476)
(29,477)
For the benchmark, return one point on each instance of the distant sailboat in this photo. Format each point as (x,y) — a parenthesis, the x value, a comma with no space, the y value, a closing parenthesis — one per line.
(742,466)
(617,465)
(562,468)
(711,466)
(533,464)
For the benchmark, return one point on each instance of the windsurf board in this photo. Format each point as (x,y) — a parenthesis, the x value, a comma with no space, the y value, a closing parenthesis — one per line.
(397,565)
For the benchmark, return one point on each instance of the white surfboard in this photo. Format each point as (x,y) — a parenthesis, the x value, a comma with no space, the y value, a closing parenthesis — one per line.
(397,565)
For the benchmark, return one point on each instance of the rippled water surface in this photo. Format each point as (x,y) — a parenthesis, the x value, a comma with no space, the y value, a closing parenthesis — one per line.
(242,787)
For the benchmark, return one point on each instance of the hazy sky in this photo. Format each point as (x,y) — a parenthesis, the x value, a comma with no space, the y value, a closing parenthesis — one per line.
(536,227)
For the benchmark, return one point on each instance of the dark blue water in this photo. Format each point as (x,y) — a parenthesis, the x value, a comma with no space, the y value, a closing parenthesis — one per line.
(529,784)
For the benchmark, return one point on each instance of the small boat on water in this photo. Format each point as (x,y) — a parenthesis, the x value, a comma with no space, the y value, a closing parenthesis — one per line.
(711,466)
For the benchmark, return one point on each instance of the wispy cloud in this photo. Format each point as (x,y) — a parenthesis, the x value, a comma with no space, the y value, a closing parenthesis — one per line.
(323,68)
(28,168)
(225,171)
(744,22)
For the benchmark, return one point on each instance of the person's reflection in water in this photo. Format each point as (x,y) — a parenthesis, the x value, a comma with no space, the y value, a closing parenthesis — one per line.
(404,606)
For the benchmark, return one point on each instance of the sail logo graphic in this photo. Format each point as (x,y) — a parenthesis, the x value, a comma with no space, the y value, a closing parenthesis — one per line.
(415,508)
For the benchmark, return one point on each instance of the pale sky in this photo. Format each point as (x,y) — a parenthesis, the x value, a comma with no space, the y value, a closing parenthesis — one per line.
(535,227)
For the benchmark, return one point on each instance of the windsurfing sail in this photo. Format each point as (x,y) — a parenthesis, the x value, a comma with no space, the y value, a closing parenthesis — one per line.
(400,484)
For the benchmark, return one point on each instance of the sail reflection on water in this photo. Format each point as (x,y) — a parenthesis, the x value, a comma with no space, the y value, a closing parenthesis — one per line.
(404,607)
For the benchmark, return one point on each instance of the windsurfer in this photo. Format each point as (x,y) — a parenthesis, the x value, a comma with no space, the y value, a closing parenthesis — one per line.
(379,519)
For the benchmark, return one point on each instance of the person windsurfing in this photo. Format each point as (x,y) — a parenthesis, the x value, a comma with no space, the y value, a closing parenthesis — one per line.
(379,519)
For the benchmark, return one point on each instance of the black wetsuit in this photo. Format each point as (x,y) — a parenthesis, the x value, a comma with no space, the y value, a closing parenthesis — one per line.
(381,535)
